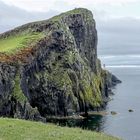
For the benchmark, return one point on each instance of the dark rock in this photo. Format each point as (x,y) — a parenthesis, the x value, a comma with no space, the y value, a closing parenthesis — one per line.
(113,113)
(130,110)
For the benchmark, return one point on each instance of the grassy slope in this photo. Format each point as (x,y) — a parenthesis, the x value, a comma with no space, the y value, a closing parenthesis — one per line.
(13,129)
(24,38)
(12,44)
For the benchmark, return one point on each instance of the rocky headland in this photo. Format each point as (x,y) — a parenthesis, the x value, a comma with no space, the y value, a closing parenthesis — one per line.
(54,71)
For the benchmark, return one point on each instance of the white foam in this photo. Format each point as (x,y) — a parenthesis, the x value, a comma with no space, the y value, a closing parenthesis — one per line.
(119,56)
(123,66)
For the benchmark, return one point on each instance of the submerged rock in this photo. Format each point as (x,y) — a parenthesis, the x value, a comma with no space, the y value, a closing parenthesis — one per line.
(113,113)
(130,110)
(57,75)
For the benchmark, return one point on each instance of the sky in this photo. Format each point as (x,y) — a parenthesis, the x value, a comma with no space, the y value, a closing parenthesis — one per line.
(118,21)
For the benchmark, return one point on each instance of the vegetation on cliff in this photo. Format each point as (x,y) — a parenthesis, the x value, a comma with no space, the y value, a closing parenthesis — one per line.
(17,91)
(13,44)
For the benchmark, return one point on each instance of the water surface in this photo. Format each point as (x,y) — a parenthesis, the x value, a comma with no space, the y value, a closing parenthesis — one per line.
(127,96)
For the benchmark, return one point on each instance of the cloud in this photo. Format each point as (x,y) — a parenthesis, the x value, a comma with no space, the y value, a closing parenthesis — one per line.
(118,36)
(45,5)
(120,25)
(37,5)
(115,28)
(12,16)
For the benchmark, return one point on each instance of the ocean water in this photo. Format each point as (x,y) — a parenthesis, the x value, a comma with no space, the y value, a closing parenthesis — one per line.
(122,58)
(127,96)
(124,62)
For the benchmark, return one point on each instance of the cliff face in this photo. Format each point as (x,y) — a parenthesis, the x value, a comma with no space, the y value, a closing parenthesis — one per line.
(59,74)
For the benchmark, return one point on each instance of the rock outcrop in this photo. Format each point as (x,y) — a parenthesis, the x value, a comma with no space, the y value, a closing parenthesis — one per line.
(57,76)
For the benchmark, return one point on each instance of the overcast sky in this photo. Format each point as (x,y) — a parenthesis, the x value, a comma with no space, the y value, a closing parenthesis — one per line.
(118,21)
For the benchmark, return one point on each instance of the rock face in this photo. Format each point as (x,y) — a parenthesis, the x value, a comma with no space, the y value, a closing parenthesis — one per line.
(60,75)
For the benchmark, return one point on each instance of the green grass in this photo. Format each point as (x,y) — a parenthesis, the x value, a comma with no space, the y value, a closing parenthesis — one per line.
(24,38)
(13,44)
(14,129)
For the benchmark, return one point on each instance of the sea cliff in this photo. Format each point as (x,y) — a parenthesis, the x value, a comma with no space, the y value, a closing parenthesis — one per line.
(51,68)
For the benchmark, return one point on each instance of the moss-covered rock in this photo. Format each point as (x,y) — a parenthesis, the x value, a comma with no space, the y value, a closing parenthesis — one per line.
(17,92)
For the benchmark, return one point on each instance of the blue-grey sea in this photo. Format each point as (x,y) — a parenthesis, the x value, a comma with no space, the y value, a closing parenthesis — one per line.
(124,62)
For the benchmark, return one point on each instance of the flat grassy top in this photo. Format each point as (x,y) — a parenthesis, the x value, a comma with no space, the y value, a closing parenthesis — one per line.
(14,129)
(14,43)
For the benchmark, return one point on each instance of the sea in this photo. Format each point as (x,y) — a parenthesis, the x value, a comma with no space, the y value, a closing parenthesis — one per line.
(123,60)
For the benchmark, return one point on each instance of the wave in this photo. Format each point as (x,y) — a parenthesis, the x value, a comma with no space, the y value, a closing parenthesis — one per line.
(119,56)
(121,61)
(123,66)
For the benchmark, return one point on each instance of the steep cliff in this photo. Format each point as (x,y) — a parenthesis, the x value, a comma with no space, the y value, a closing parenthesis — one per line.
(50,68)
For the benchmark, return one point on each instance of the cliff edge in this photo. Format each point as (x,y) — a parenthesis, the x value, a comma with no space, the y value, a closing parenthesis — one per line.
(50,68)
